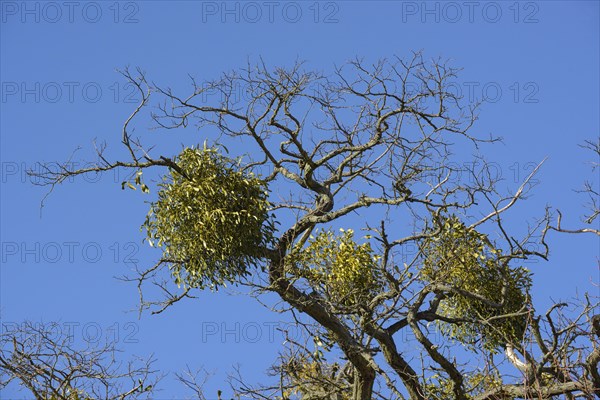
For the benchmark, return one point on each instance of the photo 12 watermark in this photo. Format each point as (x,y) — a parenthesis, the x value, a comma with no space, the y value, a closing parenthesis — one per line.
(68,252)
(30,173)
(71,331)
(253,12)
(54,12)
(235,332)
(453,12)
(493,92)
(51,92)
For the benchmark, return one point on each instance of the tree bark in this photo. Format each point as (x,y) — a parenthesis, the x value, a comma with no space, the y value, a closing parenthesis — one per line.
(363,385)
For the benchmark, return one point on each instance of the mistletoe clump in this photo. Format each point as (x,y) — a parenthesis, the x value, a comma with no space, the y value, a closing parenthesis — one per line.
(337,266)
(490,298)
(310,379)
(439,387)
(211,219)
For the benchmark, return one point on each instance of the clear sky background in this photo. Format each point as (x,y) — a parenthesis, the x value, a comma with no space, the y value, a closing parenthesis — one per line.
(537,62)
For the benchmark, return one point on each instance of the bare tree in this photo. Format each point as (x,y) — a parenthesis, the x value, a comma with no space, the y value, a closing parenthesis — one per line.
(48,365)
(372,148)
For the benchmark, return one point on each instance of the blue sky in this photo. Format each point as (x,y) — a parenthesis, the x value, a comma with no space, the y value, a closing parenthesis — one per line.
(537,62)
